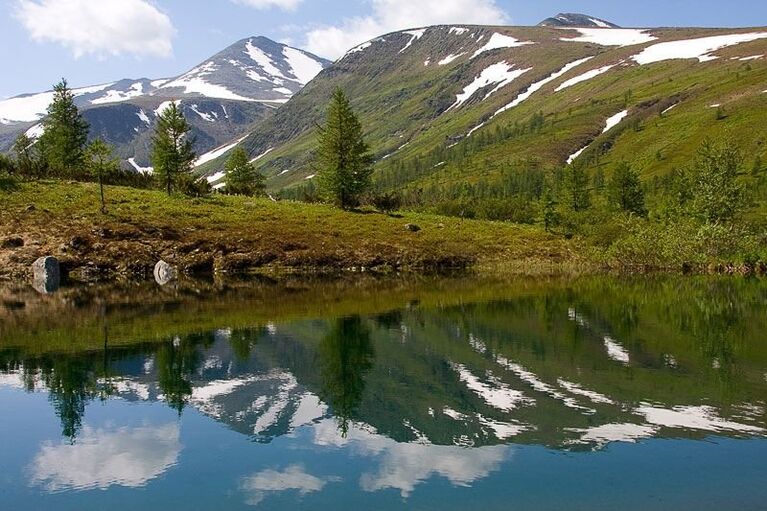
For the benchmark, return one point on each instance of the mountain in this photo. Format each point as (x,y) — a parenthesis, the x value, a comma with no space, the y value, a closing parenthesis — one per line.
(576,20)
(448,109)
(222,97)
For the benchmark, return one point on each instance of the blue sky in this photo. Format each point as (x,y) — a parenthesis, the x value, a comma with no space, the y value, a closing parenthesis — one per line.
(96,41)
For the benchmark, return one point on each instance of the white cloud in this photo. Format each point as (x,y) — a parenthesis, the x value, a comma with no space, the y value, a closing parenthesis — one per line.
(129,457)
(285,5)
(104,28)
(394,15)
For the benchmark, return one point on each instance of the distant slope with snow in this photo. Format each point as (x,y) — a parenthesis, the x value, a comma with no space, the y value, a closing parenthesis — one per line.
(441,105)
(222,97)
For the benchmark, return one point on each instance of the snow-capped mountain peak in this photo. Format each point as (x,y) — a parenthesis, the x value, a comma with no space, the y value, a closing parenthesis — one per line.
(576,20)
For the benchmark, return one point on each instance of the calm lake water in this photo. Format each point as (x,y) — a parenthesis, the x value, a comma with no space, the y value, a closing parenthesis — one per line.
(419,393)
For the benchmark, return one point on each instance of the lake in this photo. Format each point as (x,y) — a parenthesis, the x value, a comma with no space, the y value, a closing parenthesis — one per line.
(459,392)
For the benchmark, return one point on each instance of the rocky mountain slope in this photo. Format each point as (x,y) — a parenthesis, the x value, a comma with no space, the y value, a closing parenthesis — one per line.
(222,97)
(576,20)
(448,106)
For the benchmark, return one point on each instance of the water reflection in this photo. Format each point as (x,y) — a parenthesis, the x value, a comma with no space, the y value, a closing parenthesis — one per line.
(439,391)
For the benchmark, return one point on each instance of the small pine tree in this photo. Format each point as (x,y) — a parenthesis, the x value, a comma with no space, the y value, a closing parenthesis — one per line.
(344,161)
(626,191)
(172,153)
(65,134)
(101,163)
(242,178)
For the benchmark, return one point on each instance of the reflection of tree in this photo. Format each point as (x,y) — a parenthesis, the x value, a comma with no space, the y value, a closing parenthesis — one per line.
(346,355)
(71,383)
(176,362)
(242,341)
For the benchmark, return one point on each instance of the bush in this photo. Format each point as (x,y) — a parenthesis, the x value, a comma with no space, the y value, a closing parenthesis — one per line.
(191,186)
(518,210)
(387,202)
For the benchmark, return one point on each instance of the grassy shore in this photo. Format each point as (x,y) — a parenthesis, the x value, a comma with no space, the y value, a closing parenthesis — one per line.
(225,234)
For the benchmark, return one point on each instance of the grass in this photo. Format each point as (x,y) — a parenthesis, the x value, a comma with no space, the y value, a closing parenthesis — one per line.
(238,233)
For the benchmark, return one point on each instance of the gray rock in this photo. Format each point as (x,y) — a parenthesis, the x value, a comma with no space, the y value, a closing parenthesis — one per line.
(412,227)
(164,273)
(46,275)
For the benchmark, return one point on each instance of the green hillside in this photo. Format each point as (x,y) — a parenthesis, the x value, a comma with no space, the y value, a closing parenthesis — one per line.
(403,87)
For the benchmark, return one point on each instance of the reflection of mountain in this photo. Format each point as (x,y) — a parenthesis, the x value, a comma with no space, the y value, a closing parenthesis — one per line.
(574,367)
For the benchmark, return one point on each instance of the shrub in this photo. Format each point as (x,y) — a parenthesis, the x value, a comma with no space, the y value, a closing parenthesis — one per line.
(387,202)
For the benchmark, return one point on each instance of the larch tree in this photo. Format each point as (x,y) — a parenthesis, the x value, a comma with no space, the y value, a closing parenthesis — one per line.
(101,163)
(172,153)
(344,162)
(625,191)
(65,134)
(242,178)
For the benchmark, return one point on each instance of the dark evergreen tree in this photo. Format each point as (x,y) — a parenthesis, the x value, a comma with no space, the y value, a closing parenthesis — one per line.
(101,163)
(242,178)
(577,183)
(172,154)
(65,134)
(344,161)
(626,191)
(28,160)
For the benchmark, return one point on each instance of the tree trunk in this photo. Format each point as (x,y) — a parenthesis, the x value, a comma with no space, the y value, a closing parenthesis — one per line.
(103,201)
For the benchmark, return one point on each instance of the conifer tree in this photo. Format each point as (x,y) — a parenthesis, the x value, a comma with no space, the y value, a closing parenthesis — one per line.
(344,161)
(577,182)
(172,153)
(717,195)
(65,134)
(242,178)
(626,190)
(101,163)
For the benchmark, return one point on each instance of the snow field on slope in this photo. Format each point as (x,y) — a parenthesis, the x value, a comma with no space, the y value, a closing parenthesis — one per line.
(501,74)
(498,41)
(588,75)
(699,48)
(610,36)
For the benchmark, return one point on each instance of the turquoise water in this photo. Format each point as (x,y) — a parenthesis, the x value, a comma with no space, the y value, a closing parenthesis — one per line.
(588,394)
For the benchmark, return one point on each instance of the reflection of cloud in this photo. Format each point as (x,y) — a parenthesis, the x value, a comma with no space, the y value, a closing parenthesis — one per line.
(294,477)
(126,457)
(404,466)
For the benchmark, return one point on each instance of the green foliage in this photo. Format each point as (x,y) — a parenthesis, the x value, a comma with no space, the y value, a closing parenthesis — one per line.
(65,135)
(344,161)
(717,195)
(577,195)
(7,165)
(191,186)
(29,162)
(626,192)
(242,178)
(172,154)
(387,202)
(101,163)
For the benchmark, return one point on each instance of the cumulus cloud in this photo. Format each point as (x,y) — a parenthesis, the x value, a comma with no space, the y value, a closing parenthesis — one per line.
(394,15)
(285,5)
(103,28)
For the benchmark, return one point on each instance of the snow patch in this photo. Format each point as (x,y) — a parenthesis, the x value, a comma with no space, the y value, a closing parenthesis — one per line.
(693,48)
(35,131)
(693,417)
(539,85)
(262,155)
(414,36)
(588,75)
(501,74)
(164,105)
(143,117)
(458,30)
(498,41)
(575,155)
(615,120)
(215,153)
(616,351)
(302,66)
(450,58)
(611,36)
(116,96)
(33,107)
(139,168)
(203,115)
(499,396)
